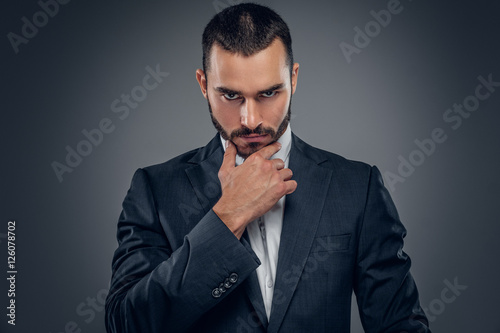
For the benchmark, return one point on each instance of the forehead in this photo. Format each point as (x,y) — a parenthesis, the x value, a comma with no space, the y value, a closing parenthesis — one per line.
(249,73)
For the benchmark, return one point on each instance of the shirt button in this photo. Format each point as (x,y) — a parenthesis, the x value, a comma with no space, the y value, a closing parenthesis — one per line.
(269,283)
(233,278)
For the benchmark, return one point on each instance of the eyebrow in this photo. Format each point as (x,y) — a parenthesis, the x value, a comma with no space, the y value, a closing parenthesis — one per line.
(225,90)
(272,88)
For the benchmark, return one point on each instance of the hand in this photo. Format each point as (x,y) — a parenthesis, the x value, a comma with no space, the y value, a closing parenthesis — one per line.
(251,189)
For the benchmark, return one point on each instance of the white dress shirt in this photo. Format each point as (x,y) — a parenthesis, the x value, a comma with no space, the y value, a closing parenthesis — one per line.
(265,232)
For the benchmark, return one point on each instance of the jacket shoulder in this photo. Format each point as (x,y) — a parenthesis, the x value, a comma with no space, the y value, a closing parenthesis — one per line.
(177,165)
(172,166)
(337,163)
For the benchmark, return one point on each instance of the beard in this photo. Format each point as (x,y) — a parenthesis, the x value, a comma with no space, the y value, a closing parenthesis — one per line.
(244,131)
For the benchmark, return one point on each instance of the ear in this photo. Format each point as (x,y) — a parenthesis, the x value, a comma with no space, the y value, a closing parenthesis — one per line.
(295,75)
(202,81)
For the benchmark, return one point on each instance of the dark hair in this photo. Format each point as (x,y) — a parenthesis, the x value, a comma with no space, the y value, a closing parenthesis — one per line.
(246,29)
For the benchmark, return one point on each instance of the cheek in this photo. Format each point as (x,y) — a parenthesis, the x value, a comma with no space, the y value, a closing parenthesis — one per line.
(277,109)
(226,115)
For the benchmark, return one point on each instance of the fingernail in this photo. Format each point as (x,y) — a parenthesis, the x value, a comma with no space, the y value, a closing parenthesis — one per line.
(227,143)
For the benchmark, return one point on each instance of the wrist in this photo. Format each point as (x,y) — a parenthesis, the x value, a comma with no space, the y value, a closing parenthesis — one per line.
(234,221)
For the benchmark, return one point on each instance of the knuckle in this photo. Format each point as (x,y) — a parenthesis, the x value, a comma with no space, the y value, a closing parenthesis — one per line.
(253,158)
(267,165)
(275,178)
(222,174)
(286,173)
(281,188)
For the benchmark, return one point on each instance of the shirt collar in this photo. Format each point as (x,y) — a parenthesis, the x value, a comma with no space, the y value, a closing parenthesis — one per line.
(283,153)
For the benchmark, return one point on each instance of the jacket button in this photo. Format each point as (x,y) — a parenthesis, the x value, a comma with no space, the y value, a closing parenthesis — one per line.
(233,278)
(221,288)
(227,283)
(216,293)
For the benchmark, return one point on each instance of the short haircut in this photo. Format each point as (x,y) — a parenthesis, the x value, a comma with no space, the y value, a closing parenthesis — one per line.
(245,29)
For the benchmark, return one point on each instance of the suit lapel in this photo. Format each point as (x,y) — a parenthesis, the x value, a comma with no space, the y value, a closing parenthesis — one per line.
(203,174)
(253,289)
(301,217)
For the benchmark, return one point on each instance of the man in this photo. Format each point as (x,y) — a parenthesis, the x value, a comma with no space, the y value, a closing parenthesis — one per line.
(279,240)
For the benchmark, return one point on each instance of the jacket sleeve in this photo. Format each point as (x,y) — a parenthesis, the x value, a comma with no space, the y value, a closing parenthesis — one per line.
(155,289)
(386,292)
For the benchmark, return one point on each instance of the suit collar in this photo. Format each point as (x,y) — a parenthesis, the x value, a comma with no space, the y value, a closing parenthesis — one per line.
(207,152)
(202,174)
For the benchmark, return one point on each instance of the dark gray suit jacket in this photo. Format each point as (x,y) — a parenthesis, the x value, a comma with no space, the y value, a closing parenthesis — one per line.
(178,268)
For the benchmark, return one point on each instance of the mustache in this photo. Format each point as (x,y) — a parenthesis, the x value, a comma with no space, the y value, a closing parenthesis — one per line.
(259,130)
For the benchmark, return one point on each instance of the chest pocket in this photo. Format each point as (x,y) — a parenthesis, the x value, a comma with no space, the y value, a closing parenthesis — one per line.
(330,244)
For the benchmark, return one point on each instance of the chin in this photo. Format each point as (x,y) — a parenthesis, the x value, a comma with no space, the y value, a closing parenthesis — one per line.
(249,149)
(245,152)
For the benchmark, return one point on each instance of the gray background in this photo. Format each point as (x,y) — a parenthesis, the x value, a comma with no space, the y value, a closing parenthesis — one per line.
(372,109)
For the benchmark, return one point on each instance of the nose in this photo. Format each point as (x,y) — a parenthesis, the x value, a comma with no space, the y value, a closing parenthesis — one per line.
(250,115)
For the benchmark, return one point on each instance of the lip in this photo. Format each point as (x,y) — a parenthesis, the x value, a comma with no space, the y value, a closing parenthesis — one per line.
(254,138)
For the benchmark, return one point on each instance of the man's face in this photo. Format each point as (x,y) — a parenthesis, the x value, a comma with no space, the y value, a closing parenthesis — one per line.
(249,97)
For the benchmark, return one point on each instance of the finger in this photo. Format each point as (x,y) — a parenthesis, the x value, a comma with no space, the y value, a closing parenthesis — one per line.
(270,150)
(278,163)
(229,160)
(291,186)
(286,174)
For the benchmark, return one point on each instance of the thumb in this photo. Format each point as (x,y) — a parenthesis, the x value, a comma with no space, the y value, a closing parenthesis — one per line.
(229,160)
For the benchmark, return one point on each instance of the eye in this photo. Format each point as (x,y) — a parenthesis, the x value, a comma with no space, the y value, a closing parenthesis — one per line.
(269,93)
(231,96)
